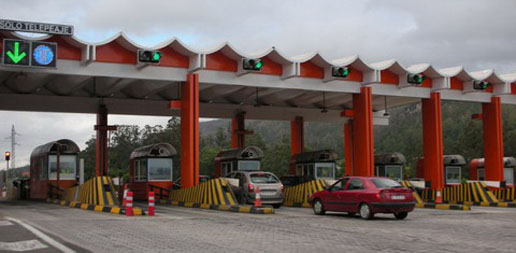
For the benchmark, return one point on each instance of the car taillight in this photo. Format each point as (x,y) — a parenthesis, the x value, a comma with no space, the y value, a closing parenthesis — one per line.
(250,188)
(282,188)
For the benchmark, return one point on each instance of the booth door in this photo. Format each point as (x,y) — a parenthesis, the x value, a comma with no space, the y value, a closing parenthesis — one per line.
(481,174)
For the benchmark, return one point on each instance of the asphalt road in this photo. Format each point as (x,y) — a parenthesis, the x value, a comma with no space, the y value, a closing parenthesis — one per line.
(182,229)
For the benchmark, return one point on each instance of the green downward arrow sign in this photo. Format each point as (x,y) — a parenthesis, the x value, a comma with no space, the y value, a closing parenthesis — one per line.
(16,57)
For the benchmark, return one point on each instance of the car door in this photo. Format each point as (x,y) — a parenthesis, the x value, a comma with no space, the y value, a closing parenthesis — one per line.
(331,200)
(350,196)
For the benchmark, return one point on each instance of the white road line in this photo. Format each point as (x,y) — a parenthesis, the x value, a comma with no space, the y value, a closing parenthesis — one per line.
(21,246)
(5,223)
(43,237)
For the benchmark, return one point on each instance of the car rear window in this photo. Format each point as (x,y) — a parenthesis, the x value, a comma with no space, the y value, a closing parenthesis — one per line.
(385,183)
(263,178)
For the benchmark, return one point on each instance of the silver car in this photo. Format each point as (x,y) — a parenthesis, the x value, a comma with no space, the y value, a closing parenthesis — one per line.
(271,189)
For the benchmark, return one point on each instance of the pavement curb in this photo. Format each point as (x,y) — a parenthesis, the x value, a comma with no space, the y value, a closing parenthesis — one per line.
(444,206)
(496,204)
(95,208)
(297,204)
(233,208)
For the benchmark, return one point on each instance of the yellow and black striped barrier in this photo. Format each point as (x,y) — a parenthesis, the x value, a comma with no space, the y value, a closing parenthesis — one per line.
(95,208)
(96,191)
(463,193)
(298,195)
(418,198)
(215,194)
(421,204)
(507,194)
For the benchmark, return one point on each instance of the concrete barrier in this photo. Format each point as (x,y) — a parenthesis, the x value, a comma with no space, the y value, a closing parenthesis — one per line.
(96,191)
(297,196)
(215,194)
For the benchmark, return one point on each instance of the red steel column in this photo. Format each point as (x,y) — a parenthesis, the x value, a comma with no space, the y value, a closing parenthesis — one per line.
(433,141)
(363,144)
(238,130)
(297,140)
(190,131)
(493,139)
(348,147)
(101,144)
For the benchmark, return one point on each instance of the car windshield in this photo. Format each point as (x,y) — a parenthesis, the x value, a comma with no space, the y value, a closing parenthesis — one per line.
(384,183)
(263,178)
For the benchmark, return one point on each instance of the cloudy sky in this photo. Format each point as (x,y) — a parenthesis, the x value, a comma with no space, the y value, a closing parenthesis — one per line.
(475,33)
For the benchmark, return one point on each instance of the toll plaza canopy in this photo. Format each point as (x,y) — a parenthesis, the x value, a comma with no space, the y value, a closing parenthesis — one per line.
(110,77)
(285,86)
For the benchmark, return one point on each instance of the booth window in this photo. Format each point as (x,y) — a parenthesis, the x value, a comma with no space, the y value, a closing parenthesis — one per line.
(248,165)
(324,170)
(452,175)
(67,164)
(509,176)
(140,170)
(393,172)
(481,173)
(227,168)
(160,169)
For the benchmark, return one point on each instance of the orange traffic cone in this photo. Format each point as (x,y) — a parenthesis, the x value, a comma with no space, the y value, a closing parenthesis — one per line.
(438,199)
(257,198)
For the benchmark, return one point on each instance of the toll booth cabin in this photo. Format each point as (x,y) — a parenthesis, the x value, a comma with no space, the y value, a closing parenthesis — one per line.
(453,169)
(241,159)
(453,165)
(477,170)
(389,165)
(151,166)
(315,164)
(44,168)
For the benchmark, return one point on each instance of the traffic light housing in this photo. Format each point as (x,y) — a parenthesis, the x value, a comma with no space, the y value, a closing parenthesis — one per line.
(481,85)
(416,78)
(149,56)
(252,64)
(340,72)
(7,155)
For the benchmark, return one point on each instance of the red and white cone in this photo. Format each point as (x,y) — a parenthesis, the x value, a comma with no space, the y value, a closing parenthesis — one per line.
(257,198)
(129,204)
(150,210)
(438,198)
(124,196)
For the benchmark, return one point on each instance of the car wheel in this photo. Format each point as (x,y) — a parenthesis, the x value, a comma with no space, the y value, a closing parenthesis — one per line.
(401,216)
(276,206)
(318,207)
(365,212)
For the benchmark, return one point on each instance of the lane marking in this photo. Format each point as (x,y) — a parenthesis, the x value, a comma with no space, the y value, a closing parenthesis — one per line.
(5,223)
(42,236)
(22,245)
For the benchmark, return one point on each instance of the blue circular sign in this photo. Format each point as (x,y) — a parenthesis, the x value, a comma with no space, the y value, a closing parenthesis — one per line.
(43,55)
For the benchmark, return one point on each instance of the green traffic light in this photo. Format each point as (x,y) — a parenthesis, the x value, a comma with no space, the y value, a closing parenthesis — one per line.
(258,65)
(156,56)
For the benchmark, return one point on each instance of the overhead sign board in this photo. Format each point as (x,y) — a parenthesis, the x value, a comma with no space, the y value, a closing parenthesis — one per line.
(33,27)
(29,54)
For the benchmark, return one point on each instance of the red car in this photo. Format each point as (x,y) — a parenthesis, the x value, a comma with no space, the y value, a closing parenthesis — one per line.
(366,196)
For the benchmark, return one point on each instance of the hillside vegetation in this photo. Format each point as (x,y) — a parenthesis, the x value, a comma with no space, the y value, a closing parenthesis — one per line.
(461,135)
